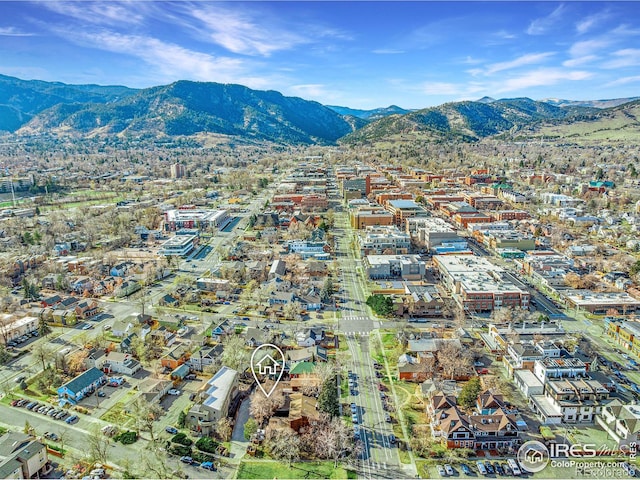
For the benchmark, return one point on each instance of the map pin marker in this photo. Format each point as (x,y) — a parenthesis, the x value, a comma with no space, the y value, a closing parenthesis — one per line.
(267,362)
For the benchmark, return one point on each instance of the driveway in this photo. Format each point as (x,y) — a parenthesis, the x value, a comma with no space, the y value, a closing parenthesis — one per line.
(238,442)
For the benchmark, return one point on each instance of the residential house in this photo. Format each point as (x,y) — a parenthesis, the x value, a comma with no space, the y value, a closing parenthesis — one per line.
(495,429)
(622,422)
(221,330)
(256,336)
(118,362)
(162,336)
(303,411)
(153,389)
(86,309)
(81,285)
(175,357)
(50,301)
(21,456)
(121,328)
(85,383)
(205,356)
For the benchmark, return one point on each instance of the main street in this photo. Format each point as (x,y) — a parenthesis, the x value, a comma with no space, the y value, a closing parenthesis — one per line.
(379,458)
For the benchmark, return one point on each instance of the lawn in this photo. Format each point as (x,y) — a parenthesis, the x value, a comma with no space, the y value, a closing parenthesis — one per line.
(273,469)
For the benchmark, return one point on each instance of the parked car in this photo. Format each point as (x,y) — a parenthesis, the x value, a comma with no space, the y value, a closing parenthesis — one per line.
(186,459)
(441,471)
(354,418)
(490,469)
(174,391)
(354,408)
(208,466)
(20,379)
(72,419)
(465,469)
(481,468)
(171,430)
(498,468)
(61,415)
(387,418)
(449,469)
(392,439)
(51,436)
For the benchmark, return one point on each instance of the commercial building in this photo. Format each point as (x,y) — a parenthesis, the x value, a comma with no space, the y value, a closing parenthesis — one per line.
(431,231)
(477,285)
(407,267)
(188,216)
(384,239)
(179,245)
(363,218)
(602,303)
(404,209)
(14,327)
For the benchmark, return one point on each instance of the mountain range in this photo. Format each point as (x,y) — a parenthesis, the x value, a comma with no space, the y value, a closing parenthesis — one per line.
(186,108)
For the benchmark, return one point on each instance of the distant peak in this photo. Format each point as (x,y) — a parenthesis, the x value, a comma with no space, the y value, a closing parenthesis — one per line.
(486,99)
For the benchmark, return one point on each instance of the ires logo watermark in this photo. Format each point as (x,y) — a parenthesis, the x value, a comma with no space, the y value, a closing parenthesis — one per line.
(534,456)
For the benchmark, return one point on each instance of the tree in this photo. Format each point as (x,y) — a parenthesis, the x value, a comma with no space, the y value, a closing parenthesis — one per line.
(42,352)
(75,362)
(224,429)
(97,445)
(284,444)
(250,427)
(43,328)
(452,359)
(262,407)
(235,354)
(328,401)
(381,305)
(31,291)
(469,392)
(331,438)
(327,291)
(146,414)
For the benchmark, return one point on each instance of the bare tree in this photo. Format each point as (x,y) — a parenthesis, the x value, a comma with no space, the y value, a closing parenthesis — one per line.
(97,445)
(42,352)
(224,429)
(262,407)
(284,444)
(235,354)
(75,362)
(146,414)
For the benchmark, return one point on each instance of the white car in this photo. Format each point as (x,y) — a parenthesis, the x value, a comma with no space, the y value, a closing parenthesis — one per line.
(174,391)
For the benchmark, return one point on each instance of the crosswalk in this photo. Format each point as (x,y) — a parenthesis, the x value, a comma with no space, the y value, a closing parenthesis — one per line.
(355,334)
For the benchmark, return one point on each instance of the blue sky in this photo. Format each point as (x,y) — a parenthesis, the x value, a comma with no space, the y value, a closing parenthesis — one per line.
(355,54)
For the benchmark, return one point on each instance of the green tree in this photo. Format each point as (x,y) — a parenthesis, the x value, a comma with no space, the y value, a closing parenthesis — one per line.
(327,291)
(469,392)
(635,268)
(250,428)
(328,399)
(381,305)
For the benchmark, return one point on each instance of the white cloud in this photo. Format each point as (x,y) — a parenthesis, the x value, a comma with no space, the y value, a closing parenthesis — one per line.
(527,59)
(540,26)
(624,81)
(588,47)
(99,13)
(170,60)
(587,23)
(13,32)
(628,57)
(540,77)
(309,90)
(575,62)
(240,33)
(472,61)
